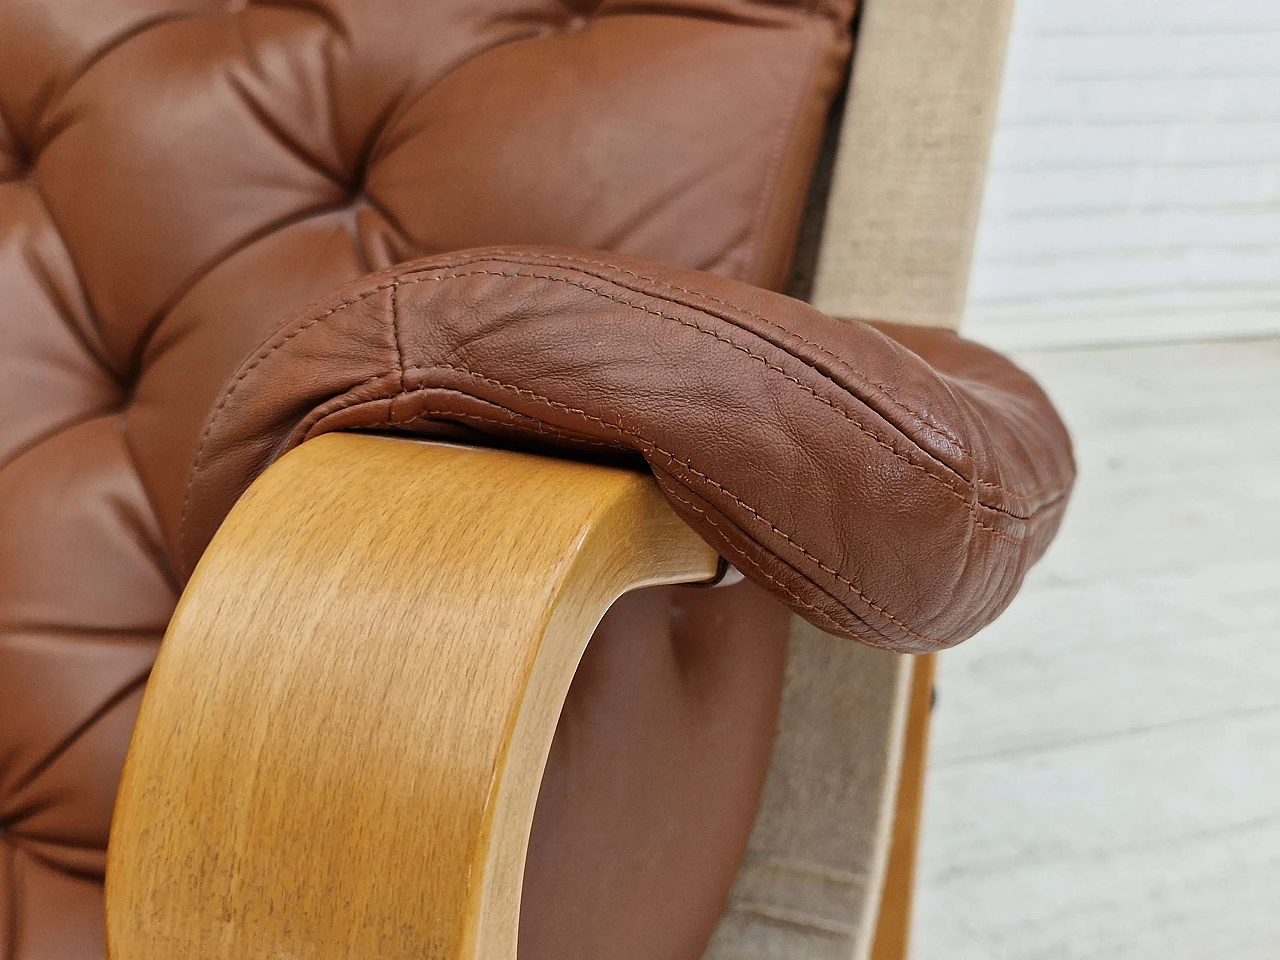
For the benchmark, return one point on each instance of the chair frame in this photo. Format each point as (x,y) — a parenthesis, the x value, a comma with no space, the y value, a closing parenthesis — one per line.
(289,834)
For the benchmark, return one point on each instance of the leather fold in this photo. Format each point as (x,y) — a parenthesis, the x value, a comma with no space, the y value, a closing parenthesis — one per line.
(891,485)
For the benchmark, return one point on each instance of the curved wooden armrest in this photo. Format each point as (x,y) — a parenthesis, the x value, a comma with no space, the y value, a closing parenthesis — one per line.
(340,748)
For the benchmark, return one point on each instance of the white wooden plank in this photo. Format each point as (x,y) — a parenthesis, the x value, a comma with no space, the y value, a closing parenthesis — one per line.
(1085,328)
(1079,664)
(1132,189)
(1131,905)
(1105,780)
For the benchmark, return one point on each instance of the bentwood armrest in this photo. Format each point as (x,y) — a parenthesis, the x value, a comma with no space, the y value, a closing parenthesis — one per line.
(341,746)
(148,265)
(892,489)
(377,628)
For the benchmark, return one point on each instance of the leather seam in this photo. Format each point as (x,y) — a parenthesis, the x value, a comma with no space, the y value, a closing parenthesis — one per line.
(756,515)
(859,425)
(395,334)
(306,427)
(278,343)
(197,463)
(564,436)
(795,597)
(743,311)
(549,430)
(999,534)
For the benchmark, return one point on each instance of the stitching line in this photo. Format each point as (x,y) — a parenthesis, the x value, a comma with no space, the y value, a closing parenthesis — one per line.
(307,426)
(666,453)
(795,597)
(861,427)
(197,465)
(395,333)
(646,442)
(743,311)
(279,342)
(564,436)
(550,430)
(794,544)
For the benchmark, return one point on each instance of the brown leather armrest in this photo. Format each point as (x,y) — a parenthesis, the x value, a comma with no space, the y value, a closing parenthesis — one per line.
(891,488)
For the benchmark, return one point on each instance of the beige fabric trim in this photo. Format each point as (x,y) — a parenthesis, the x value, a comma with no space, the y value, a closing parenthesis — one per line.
(810,886)
(896,245)
(903,211)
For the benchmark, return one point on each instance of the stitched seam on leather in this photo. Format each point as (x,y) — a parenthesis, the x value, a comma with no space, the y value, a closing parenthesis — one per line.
(197,463)
(795,597)
(764,521)
(468,260)
(395,335)
(689,467)
(996,533)
(306,426)
(795,545)
(534,423)
(265,352)
(631,433)
(879,440)
(743,311)
(548,430)
(499,253)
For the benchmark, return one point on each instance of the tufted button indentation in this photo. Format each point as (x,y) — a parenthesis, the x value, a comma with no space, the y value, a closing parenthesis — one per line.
(582,9)
(14,163)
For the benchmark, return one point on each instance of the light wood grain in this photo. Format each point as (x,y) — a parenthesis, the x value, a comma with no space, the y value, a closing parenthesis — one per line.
(340,749)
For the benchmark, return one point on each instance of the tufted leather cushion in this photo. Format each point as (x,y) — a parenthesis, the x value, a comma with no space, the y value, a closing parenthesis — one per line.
(176,176)
(883,499)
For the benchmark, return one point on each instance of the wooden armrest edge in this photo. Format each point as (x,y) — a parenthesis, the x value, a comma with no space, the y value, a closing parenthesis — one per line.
(341,745)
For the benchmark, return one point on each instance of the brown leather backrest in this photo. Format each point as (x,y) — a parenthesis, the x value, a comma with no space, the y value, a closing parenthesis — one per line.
(178,175)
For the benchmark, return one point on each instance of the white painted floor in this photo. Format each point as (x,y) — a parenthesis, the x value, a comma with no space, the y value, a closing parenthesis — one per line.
(1105,773)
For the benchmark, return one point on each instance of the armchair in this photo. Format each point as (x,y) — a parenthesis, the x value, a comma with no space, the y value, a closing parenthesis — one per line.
(227,230)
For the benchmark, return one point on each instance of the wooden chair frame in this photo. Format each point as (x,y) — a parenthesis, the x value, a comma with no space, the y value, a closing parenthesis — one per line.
(340,651)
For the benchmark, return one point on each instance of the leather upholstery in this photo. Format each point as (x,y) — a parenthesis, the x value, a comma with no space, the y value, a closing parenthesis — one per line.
(179,178)
(176,176)
(882,498)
